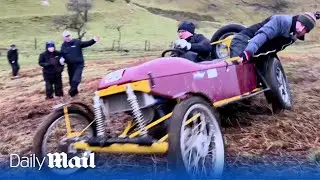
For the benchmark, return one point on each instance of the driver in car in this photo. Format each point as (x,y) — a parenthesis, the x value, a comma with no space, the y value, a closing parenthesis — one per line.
(197,47)
(271,35)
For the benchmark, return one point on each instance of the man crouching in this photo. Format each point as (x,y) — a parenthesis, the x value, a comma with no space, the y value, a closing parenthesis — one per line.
(52,70)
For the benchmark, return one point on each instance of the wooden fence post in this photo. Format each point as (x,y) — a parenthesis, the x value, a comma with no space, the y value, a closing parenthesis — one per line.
(145,45)
(35,43)
(114,41)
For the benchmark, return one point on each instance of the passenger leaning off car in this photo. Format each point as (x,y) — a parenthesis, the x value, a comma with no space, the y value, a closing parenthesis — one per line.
(271,35)
(190,41)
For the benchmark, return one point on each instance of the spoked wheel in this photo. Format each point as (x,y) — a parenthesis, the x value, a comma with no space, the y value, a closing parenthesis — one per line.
(196,146)
(283,90)
(51,137)
(221,50)
(280,94)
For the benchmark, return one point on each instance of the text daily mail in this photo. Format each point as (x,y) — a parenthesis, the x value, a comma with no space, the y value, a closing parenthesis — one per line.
(55,160)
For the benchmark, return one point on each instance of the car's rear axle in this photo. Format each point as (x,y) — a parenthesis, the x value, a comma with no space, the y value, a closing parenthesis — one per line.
(103,141)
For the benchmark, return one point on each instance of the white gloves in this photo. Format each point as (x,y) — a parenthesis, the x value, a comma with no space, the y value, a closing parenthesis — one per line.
(61,60)
(96,38)
(182,44)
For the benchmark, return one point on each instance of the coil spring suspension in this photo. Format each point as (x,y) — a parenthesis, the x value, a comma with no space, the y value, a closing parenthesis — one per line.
(98,116)
(137,114)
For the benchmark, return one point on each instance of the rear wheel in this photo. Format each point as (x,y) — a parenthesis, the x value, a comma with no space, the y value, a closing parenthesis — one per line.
(280,95)
(195,149)
(51,137)
(221,50)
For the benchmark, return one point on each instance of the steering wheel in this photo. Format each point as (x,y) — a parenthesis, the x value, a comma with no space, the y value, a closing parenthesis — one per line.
(176,52)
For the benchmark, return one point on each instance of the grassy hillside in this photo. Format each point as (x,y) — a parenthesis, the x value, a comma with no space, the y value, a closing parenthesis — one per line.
(138,25)
(254,134)
(24,22)
(241,11)
(18,8)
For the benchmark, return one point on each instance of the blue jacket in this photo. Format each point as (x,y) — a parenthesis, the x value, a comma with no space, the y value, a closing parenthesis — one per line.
(276,27)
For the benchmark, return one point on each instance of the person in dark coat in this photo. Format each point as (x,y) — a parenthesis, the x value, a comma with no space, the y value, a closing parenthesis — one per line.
(71,50)
(13,57)
(272,35)
(191,41)
(52,70)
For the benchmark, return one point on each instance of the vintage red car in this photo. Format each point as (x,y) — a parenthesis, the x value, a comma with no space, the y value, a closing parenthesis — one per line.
(173,102)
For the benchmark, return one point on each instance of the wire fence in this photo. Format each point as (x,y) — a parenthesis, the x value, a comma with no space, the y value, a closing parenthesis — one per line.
(32,49)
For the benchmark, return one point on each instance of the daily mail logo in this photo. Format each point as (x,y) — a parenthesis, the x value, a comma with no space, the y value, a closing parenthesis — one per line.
(55,160)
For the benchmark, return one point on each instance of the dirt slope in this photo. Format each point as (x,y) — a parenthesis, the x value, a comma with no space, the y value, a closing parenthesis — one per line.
(255,134)
(22,102)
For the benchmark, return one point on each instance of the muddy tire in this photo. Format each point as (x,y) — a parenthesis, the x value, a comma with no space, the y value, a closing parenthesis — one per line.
(204,140)
(222,33)
(41,135)
(280,94)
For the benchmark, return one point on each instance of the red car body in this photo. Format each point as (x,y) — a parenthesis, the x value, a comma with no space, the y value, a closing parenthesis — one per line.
(173,77)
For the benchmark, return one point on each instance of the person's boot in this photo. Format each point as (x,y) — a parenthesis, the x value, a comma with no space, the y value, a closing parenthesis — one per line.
(15,77)
(73,93)
(49,97)
(59,94)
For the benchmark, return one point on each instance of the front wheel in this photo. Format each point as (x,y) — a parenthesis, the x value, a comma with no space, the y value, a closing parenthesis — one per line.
(196,149)
(51,137)
(280,95)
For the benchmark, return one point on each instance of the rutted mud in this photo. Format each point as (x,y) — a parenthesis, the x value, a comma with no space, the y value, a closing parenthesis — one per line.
(252,133)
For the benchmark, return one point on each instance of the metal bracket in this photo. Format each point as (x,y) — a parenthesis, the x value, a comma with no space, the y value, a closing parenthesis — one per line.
(262,78)
(151,80)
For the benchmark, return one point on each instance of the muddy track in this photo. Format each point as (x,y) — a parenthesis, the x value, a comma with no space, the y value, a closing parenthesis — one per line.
(23,105)
(252,133)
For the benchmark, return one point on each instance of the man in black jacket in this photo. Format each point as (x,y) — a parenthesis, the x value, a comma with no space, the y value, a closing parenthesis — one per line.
(71,50)
(190,41)
(13,57)
(52,70)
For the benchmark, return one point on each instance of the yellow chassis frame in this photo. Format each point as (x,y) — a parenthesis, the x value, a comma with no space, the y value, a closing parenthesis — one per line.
(159,147)
(227,41)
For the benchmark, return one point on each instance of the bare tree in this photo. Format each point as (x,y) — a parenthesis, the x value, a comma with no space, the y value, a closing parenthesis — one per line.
(78,18)
(119,31)
(80,7)
(117,28)
(73,22)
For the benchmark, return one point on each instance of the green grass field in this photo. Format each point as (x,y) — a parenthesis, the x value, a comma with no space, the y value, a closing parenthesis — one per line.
(24,22)
(35,23)
(241,11)
(255,133)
